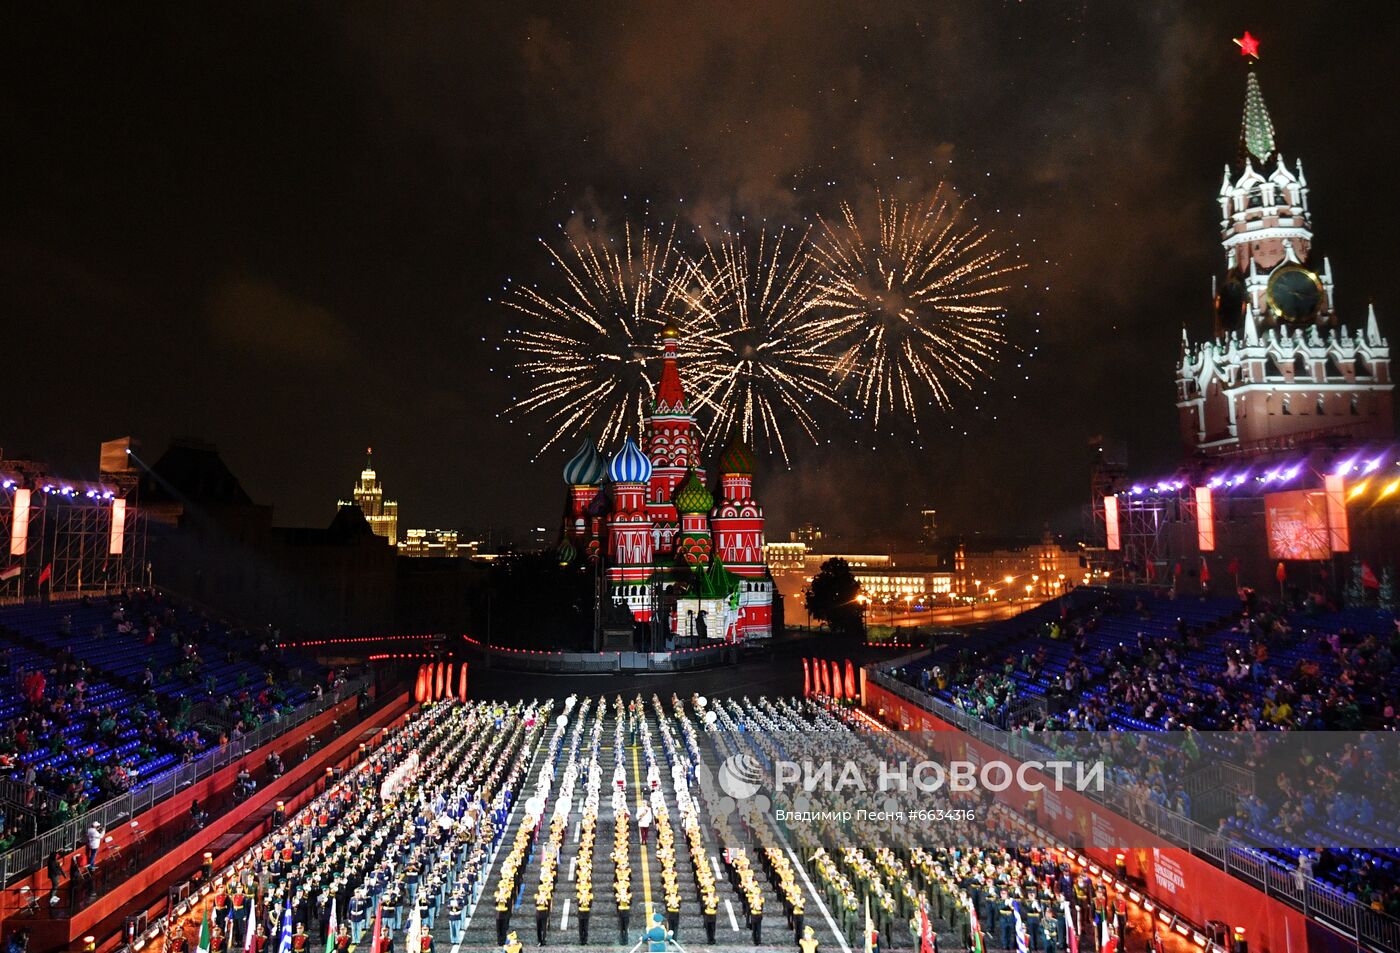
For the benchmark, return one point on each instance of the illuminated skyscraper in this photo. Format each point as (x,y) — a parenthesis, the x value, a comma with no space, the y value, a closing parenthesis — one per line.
(381,514)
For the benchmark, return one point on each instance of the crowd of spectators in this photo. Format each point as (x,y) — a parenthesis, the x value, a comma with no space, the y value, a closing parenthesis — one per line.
(1229,677)
(109,693)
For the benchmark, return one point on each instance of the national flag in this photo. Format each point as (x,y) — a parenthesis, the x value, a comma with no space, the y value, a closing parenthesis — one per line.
(806,680)
(974,926)
(1071,934)
(1234,567)
(11,572)
(1280,573)
(250,935)
(1368,578)
(869,928)
(330,929)
(284,940)
(205,943)
(928,940)
(1205,571)
(413,941)
(46,575)
(1023,936)
(1151,570)
(375,934)
(1110,939)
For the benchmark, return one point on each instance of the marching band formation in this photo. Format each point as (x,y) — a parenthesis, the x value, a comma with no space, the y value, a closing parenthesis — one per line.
(409,838)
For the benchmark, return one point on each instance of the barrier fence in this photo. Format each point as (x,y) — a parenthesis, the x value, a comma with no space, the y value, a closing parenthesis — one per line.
(531,660)
(68,836)
(1315,899)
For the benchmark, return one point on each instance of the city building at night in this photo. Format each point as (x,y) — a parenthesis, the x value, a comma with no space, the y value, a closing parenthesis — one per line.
(381,514)
(673,548)
(433,542)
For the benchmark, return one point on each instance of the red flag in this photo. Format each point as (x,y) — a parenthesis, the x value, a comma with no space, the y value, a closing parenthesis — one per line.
(462,684)
(835,680)
(46,575)
(850,679)
(928,943)
(1177,570)
(806,680)
(1151,570)
(822,679)
(378,928)
(1368,578)
(1205,571)
(1234,567)
(1280,573)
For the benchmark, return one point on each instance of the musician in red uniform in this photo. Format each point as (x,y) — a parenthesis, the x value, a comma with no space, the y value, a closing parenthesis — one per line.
(342,939)
(299,939)
(260,939)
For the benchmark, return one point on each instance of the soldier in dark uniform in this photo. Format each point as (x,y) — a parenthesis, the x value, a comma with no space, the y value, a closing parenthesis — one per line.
(541,919)
(584,910)
(502,920)
(1050,926)
(1006,922)
(624,917)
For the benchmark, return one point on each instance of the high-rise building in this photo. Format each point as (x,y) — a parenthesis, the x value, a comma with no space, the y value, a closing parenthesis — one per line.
(928,528)
(381,514)
(1281,369)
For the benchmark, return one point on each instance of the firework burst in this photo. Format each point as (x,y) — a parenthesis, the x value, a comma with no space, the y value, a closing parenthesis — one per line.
(755,352)
(586,344)
(913,311)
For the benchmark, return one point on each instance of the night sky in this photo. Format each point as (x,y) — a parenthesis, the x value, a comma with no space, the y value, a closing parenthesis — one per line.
(278,227)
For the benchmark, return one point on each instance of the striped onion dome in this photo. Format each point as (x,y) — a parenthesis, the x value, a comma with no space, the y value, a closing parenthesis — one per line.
(586,466)
(737,457)
(630,465)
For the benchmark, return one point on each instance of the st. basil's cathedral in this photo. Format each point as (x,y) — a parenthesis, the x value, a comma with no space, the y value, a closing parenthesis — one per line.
(669,544)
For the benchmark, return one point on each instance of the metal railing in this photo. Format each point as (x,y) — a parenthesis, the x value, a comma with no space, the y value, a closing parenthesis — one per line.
(1326,904)
(69,835)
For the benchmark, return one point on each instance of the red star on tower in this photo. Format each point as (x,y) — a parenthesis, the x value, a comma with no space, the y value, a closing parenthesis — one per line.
(1249,46)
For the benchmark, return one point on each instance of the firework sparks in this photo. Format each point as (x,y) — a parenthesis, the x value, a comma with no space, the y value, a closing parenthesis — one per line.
(755,353)
(585,348)
(914,313)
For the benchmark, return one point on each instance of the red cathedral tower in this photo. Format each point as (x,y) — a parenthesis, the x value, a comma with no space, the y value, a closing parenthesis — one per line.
(670,544)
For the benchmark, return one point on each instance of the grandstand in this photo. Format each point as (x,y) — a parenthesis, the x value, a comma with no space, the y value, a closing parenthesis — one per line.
(1128,661)
(495,816)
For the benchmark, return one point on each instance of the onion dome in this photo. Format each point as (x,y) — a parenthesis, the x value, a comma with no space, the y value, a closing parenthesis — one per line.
(692,497)
(630,465)
(566,552)
(586,466)
(737,457)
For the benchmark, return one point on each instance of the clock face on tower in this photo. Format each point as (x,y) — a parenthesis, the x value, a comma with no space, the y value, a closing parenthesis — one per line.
(1294,294)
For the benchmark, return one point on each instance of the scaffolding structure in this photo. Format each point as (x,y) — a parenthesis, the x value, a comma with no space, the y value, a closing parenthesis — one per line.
(70,545)
(1147,543)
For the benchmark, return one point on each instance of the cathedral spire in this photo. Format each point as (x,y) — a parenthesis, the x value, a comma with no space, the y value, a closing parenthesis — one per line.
(1257,129)
(670,396)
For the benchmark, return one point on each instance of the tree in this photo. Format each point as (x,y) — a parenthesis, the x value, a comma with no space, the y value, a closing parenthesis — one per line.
(831,597)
